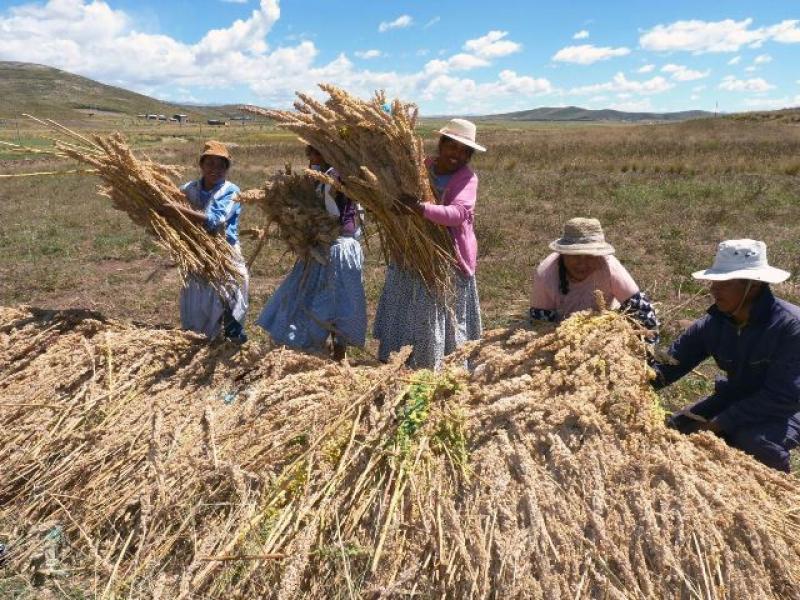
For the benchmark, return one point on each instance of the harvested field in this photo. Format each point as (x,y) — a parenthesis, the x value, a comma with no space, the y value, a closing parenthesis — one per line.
(143,462)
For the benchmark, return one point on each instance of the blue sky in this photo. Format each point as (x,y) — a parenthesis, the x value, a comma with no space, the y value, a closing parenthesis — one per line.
(450,57)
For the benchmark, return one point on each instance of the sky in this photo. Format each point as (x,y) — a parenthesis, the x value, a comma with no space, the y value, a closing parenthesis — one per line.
(465,57)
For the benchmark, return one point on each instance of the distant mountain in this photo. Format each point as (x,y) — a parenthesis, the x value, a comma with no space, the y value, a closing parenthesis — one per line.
(48,92)
(574,113)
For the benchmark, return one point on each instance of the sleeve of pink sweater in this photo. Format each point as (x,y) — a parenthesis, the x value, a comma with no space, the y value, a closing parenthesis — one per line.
(461,196)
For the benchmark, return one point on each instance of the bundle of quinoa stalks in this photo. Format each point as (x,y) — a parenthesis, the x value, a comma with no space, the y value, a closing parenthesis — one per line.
(290,202)
(378,157)
(141,187)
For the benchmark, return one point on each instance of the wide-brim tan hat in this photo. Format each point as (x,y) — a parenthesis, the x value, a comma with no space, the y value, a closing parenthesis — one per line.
(462,131)
(582,236)
(214,148)
(742,259)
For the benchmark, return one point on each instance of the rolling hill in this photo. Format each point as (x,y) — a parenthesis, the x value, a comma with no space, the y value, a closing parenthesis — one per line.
(49,92)
(574,113)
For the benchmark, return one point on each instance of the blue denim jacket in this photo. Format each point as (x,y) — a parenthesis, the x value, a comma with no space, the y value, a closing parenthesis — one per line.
(761,360)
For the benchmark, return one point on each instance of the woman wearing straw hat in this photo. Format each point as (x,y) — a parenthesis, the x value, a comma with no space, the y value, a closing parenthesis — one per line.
(582,262)
(755,338)
(213,198)
(316,302)
(408,314)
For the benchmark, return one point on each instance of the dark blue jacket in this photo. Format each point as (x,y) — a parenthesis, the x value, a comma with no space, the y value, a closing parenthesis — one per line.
(761,360)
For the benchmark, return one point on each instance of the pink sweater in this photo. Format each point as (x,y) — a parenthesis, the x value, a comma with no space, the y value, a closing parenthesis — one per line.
(457,213)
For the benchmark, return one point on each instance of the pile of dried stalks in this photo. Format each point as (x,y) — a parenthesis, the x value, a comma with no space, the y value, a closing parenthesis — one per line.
(289,200)
(378,157)
(146,463)
(142,189)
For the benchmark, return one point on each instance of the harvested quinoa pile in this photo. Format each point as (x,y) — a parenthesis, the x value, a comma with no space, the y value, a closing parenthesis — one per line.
(146,463)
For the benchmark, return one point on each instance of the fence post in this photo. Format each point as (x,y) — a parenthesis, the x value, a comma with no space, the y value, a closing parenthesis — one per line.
(19,139)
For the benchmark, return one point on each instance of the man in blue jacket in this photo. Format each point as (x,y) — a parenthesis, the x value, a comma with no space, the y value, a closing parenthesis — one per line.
(755,338)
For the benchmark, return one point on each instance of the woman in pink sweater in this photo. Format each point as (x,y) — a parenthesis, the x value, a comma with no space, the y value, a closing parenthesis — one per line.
(408,314)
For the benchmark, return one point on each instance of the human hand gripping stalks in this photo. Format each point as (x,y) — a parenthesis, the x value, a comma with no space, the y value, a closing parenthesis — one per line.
(146,191)
(378,158)
(289,200)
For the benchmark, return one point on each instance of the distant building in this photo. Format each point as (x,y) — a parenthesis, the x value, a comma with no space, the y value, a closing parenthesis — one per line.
(181,118)
(217,122)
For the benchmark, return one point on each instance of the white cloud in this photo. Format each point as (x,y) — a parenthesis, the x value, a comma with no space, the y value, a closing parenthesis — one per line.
(470,96)
(581,35)
(399,23)
(620,84)
(771,103)
(786,32)
(432,22)
(683,73)
(368,54)
(643,105)
(457,62)
(731,84)
(92,39)
(492,45)
(751,69)
(716,36)
(735,60)
(762,59)
(588,54)
(646,69)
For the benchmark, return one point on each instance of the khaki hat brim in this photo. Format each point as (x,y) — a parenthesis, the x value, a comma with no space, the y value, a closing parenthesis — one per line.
(462,140)
(764,274)
(593,249)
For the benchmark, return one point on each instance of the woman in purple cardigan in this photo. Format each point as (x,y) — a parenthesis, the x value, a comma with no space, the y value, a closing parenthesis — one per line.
(408,315)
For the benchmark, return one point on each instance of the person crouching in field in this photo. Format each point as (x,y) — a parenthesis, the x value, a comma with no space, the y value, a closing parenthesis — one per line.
(408,314)
(755,338)
(582,262)
(318,301)
(214,206)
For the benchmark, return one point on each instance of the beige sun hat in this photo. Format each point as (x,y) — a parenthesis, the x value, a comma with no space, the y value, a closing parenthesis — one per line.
(582,236)
(462,131)
(215,148)
(742,259)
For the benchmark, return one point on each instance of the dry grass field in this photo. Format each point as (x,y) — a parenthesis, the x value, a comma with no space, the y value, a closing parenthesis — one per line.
(666,195)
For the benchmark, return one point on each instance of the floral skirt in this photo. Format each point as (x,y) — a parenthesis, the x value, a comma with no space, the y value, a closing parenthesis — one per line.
(409,315)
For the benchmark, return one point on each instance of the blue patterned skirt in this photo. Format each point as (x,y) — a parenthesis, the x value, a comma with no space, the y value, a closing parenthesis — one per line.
(409,315)
(315,300)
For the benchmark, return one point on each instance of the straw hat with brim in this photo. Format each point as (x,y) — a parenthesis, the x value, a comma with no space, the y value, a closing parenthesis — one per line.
(214,148)
(582,236)
(462,131)
(742,259)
